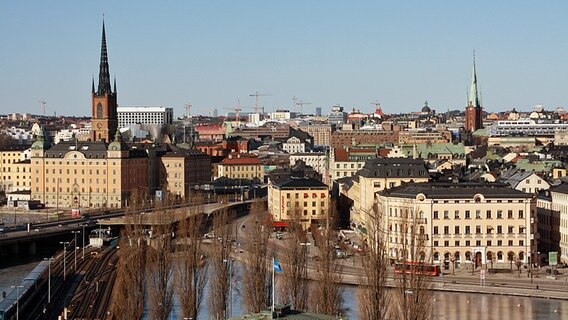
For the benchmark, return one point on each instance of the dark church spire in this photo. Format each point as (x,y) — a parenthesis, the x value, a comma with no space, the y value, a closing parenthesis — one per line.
(104,75)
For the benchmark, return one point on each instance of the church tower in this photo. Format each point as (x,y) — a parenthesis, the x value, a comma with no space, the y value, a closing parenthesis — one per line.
(104,119)
(473,110)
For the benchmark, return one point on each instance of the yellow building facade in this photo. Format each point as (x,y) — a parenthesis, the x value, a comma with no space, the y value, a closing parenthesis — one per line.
(241,166)
(291,198)
(15,168)
(87,174)
(460,225)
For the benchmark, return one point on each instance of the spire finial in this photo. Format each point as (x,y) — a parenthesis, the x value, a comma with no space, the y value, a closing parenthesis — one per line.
(114,84)
(104,76)
(93,85)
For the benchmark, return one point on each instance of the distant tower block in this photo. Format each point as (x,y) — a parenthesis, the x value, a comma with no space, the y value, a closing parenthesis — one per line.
(318,111)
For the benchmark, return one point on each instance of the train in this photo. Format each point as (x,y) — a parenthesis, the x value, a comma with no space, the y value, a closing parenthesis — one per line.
(29,286)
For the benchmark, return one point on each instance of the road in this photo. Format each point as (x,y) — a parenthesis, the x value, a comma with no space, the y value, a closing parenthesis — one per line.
(461,281)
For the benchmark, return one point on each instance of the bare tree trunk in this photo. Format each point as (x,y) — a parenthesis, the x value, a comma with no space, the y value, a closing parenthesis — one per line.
(295,278)
(374,300)
(256,279)
(327,286)
(160,266)
(191,275)
(413,299)
(130,287)
(220,263)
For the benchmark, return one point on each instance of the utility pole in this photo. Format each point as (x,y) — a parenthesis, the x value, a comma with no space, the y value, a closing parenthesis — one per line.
(256,95)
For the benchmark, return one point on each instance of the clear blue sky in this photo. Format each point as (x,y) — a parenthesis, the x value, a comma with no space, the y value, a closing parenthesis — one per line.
(211,53)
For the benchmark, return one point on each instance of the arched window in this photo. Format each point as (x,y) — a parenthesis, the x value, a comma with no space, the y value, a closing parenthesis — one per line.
(99,111)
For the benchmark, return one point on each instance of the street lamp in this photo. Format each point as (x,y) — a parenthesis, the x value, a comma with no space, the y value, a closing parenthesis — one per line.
(48,279)
(538,270)
(75,247)
(83,238)
(65,244)
(17,300)
(530,266)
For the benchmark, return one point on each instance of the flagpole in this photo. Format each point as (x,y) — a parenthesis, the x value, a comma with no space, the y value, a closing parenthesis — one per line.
(273,271)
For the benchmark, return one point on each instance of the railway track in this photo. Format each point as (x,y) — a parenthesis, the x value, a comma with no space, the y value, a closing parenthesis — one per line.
(92,297)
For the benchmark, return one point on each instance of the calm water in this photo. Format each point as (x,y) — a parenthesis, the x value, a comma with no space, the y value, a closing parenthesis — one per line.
(446,305)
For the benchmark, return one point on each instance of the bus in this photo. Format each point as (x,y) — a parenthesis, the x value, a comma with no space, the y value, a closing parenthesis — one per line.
(422,268)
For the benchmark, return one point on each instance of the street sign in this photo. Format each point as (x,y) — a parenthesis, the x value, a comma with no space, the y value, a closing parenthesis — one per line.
(553,258)
(482,274)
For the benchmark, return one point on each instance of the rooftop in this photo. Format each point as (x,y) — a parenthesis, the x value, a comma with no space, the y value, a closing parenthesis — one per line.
(454,190)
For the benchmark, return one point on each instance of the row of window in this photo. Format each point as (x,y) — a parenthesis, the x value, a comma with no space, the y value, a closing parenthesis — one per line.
(478,214)
(297,204)
(313,212)
(17,169)
(75,171)
(488,243)
(306,195)
(478,230)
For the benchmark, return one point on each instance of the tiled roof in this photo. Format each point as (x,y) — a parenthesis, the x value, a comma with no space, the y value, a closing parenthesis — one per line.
(394,167)
(241,159)
(455,190)
(293,182)
(341,154)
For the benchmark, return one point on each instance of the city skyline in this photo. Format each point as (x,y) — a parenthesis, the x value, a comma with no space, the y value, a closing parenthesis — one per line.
(213,54)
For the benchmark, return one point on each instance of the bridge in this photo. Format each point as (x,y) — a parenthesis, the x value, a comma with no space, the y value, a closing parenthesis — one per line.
(26,239)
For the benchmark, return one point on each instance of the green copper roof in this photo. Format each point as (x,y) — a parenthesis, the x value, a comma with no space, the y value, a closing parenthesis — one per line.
(473,98)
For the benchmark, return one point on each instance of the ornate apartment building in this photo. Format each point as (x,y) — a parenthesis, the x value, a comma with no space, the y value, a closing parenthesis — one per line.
(377,175)
(467,224)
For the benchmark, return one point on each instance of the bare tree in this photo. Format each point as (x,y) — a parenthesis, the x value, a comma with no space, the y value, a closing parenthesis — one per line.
(130,285)
(412,297)
(374,298)
(160,264)
(295,278)
(220,263)
(328,277)
(256,279)
(191,275)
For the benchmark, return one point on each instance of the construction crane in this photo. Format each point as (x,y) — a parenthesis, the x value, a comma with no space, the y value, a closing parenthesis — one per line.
(376,103)
(43,103)
(187,107)
(294,104)
(301,104)
(237,110)
(378,111)
(256,95)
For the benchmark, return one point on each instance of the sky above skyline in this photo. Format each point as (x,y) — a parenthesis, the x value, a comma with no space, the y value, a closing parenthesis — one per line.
(211,53)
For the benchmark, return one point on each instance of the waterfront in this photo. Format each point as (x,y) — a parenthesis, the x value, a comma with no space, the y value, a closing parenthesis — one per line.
(446,305)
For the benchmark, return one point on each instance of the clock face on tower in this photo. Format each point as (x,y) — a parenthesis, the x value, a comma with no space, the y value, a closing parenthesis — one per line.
(99,125)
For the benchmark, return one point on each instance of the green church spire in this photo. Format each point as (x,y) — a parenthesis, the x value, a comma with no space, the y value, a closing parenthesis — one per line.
(473,98)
